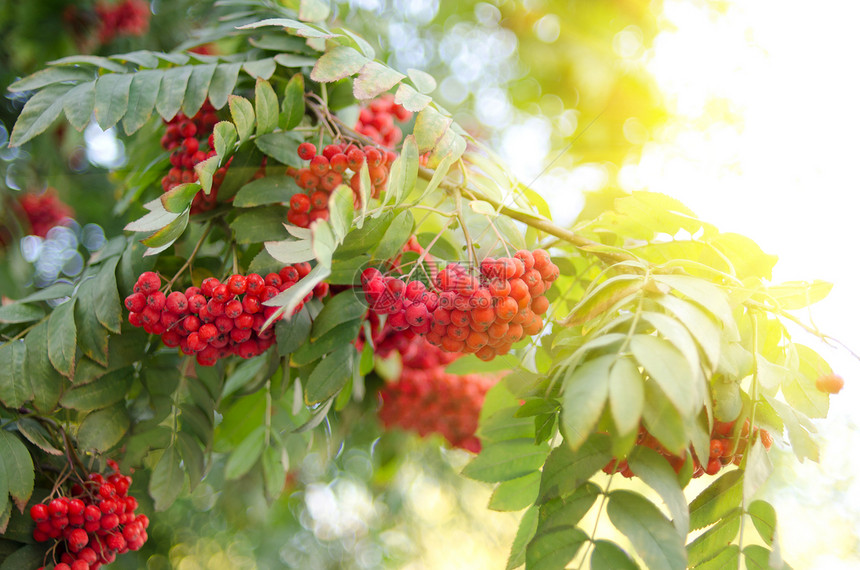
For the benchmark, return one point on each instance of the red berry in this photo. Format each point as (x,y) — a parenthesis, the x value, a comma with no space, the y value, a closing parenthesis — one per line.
(58,508)
(135,302)
(39,513)
(306,150)
(149,282)
(237,284)
(177,303)
(300,203)
(255,283)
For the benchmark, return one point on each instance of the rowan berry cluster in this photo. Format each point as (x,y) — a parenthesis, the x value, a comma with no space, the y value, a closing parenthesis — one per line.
(327,170)
(126,18)
(483,312)
(216,319)
(185,138)
(377,121)
(725,449)
(92,525)
(44,210)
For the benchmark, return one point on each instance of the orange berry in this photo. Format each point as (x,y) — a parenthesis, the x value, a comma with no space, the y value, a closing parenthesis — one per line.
(829,383)
(540,305)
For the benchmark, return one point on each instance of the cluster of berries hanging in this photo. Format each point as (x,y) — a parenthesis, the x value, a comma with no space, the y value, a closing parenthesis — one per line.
(425,399)
(216,319)
(377,121)
(484,313)
(126,18)
(327,170)
(185,138)
(723,450)
(44,210)
(92,525)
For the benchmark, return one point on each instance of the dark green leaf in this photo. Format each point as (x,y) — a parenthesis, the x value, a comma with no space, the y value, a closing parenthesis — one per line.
(261,224)
(242,112)
(652,536)
(330,375)
(192,458)
(62,337)
(103,429)
(719,499)
(13,368)
(37,435)
(100,393)
(265,107)
(609,556)
(78,104)
(268,190)
(338,63)
(566,470)
(47,384)
(516,494)
(17,468)
(109,310)
(198,88)
(506,460)
(282,147)
(246,454)
(764,518)
(172,91)
(525,532)
(55,291)
(197,421)
(38,114)
(92,336)
(584,396)
(554,549)
(712,542)
(20,313)
(28,556)
(112,98)
(167,479)
(141,99)
(341,308)
(293,333)
(293,107)
(656,472)
(223,82)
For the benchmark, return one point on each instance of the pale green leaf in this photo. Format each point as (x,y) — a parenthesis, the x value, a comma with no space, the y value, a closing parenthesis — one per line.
(584,394)
(141,99)
(172,91)
(112,97)
(265,107)
(338,63)
(652,536)
(373,79)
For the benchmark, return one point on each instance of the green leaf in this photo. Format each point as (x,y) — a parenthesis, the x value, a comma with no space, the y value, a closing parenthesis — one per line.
(167,479)
(793,295)
(290,251)
(609,556)
(268,190)
(274,472)
(667,366)
(330,375)
(172,91)
(164,238)
(757,558)
(260,224)
(112,98)
(506,460)
(656,472)
(566,470)
(198,88)
(800,392)
(78,104)
(109,310)
(47,384)
(341,211)
(430,126)
(410,99)
(13,368)
(100,393)
(719,499)
(700,326)
(103,429)
(260,69)
(764,518)
(92,336)
(525,532)
(180,197)
(341,308)
(17,469)
(192,458)
(61,338)
(395,236)
(663,420)
(50,76)
(20,313)
(568,511)
(141,99)
(292,60)
(205,171)
(243,116)
(338,63)
(246,454)
(282,147)
(293,333)
(291,298)
(39,113)
(652,536)
(373,79)
(554,549)
(37,435)
(28,556)
(712,542)
(293,106)
(225,138)
(266,107)
(726,558)
(584,394)
(423,81)
(222,84)
(626,394)
(516,494)
(706,294)
(598,301)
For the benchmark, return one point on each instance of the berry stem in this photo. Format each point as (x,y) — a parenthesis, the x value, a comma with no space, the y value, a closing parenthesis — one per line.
(591,539)
(473,258)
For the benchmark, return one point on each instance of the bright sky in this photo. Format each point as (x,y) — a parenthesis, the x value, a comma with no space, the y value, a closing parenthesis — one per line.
(785,175)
